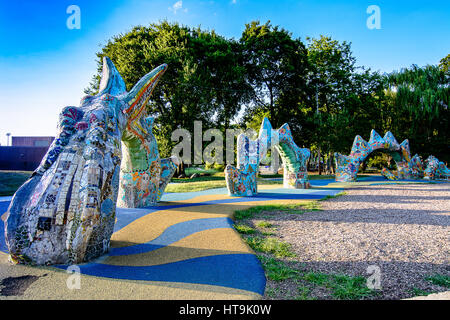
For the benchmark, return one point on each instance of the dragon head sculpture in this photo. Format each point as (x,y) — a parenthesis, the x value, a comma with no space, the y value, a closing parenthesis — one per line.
(65,213)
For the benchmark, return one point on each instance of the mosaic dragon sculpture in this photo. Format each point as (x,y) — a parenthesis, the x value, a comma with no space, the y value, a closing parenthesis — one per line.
(65,212)
(347,167)
(143,175)
(294,158)
(436,169)
(241,180)
(415,170)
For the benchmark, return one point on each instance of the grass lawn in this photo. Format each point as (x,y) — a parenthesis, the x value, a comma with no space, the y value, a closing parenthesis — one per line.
(285,208)
(213,179)
(196,186)
(10,181)
(311,176)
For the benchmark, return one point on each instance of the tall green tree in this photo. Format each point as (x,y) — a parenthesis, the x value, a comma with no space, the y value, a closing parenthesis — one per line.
(331,66)
(421,97)
(204,81)
(444,64)
(276,68)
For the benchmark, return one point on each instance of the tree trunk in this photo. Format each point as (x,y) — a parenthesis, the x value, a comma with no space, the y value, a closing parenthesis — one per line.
(333,171)
(180,171)
(318,160)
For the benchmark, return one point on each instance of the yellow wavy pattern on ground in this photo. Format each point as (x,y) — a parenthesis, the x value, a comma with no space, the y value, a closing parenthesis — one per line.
(201,244)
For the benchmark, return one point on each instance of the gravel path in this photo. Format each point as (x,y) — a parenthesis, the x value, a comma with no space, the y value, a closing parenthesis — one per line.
(402,229)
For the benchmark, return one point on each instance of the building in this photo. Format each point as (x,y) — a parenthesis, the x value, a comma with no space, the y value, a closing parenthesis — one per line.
(31,141)
(25,153)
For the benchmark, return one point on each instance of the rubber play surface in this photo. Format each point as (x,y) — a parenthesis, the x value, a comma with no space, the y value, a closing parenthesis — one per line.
(184,248)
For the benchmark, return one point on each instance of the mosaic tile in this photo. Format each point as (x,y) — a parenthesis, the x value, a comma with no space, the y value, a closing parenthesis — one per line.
(65,213)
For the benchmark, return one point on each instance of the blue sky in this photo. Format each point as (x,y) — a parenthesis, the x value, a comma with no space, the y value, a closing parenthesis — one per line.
(45,66)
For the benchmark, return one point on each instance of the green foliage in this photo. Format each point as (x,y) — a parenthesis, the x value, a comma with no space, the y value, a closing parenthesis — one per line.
(345,99)
(419,108)
(422,91)
(340,194)
(277,270)
(343,286)
(307,207)
(287,208)
(244,229)
(219,167)
(276,68)
(204,81)
(444,64)
(440,280)
(209,165)
(196,186)
(199,170)
(304,293)
(270,245)
(379,160)
(264,224)
(419,292)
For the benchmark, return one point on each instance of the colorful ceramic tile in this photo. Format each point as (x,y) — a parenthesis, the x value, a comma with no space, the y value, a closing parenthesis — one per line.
(295,160)
(347,167)
(435,169)
(140,160)
(241,181)
(376,141)
(388,174)
(65,213)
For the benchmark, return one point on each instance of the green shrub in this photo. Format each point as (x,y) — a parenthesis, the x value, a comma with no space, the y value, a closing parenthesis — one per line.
(440,280)
(264,224)
(277,270)
(270,245)
(342,286)
(218,167)
(242,228)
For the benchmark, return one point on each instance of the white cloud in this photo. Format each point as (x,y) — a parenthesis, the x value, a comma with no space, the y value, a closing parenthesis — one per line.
(233,1)
(177,6)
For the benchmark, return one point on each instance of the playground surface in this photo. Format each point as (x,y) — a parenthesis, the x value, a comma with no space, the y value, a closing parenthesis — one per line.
(184,248)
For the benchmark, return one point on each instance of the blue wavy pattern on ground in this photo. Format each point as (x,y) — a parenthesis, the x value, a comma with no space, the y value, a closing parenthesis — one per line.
(173,234)
(127,216)
(3,247)
(239,271)
(3,208)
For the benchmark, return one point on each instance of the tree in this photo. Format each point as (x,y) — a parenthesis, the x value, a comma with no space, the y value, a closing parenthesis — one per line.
(276,68)
(420,99)
(445,63)
(204,81)
(331,66)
